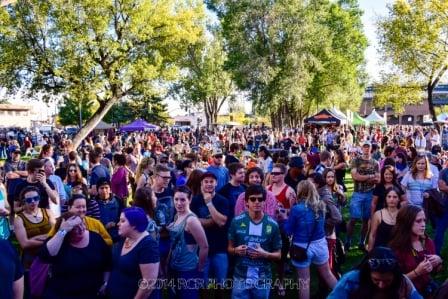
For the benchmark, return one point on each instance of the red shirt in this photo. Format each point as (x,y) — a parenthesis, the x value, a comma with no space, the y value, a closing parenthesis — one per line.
(408,259)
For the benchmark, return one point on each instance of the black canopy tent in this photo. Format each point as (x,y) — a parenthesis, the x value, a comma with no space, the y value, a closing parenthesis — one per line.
(324,117)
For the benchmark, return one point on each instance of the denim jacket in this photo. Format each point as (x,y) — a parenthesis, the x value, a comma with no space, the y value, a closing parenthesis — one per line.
(302,224)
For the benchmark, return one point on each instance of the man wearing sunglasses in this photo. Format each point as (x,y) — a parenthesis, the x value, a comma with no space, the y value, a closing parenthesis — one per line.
(221,173)
(254,239)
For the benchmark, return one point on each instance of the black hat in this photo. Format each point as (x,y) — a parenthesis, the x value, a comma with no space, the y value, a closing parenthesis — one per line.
(296,162)
(102,182)
(208,174)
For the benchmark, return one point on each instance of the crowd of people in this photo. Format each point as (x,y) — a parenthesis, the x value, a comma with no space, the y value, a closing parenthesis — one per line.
(231,213)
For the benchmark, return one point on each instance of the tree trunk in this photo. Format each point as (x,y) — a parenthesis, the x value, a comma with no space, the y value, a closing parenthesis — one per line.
(432,111)
(93,121)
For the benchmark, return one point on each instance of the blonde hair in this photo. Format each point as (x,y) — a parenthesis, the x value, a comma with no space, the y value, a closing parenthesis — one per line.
(307,192)
(144,163)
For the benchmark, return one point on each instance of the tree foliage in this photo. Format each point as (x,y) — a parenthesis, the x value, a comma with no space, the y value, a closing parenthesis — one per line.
(69,111)
(206,83)
(293,55)
(150,109)
(91,50)
(414,37)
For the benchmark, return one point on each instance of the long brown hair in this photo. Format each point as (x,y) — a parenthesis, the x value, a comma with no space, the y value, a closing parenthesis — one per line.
(78,173)
(194,181)
(402,232)
(64,216)
(335,187)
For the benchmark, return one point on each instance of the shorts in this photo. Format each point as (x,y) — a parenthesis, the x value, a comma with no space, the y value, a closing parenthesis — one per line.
(360,205)
(317,254)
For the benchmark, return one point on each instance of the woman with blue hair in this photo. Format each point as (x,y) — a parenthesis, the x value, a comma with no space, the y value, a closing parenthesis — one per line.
(135,258)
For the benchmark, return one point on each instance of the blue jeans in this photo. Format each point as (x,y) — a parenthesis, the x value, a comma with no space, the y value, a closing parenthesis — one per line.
(441,227)
(243,290)
(360,205)
(216,267)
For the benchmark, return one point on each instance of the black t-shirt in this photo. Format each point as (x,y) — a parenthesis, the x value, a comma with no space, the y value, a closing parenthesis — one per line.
(164,211)
(11,269)
(293,183)
(44,202)
(230,159)
(77,272)
(216,236)
(126,274)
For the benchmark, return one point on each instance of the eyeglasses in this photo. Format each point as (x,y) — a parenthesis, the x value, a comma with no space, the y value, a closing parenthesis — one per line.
(276,173)
(256,198)
(376,264)
(32,199)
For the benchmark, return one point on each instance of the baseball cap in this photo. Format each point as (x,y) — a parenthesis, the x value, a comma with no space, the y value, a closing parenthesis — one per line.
(17,151)
(217,152)
(102,182)
(366,143)
(208,174)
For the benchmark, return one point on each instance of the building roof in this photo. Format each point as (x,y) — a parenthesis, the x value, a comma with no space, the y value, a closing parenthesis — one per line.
(11,107)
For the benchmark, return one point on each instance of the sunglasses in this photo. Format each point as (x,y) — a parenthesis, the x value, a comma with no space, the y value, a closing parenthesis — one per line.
(376,264)
(32,199)
(218,157)
(73,170)
(276,173)
(256,198)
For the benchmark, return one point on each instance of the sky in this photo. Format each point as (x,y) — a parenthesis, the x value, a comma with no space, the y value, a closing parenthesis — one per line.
(372,10)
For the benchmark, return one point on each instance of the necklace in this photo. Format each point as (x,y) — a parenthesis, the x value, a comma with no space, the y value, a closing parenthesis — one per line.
(34,215)
(128,243)
(390,215)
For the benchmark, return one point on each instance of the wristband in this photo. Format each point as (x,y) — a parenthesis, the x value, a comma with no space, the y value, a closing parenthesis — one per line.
(209,204)
(62,232)
(415,272)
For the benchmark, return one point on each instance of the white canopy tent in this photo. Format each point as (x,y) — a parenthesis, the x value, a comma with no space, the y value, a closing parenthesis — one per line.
(375,118)
(339,114)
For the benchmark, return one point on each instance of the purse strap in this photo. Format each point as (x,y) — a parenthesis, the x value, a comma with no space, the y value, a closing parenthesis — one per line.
(312,232)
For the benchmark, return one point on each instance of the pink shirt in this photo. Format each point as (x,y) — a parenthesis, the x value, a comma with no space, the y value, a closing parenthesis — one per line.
(119,184)
(270,206)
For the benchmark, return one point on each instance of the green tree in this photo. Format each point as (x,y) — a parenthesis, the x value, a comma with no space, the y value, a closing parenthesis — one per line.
(92,50)
(69,111)
(293,55)
(151,109)
(205,83)
(414,37)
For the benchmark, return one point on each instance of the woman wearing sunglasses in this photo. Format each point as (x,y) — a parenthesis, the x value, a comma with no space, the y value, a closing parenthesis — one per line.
(378,276)
(32,224)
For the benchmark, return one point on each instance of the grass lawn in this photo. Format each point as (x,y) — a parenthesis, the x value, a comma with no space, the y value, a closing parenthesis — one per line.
(354,256)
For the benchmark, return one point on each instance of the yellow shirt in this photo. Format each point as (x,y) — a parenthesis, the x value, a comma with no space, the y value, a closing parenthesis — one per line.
(92,225)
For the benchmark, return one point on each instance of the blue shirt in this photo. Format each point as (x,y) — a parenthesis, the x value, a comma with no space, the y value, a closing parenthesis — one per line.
(350,282)
(222,175)
(301,224)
